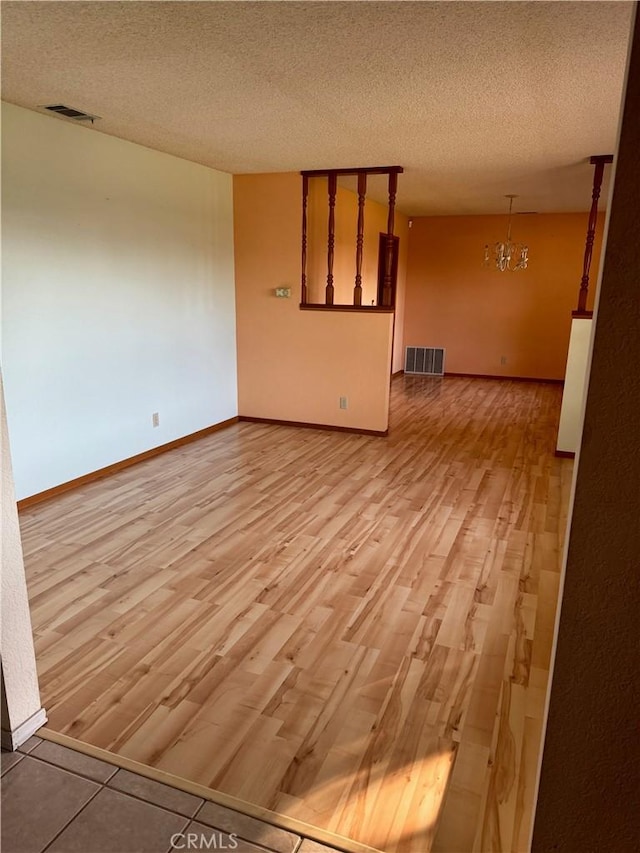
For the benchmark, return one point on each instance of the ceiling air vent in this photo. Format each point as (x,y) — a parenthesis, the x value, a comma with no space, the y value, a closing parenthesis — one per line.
(69,112)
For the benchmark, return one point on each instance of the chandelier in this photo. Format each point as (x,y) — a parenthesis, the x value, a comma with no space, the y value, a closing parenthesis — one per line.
(507,255)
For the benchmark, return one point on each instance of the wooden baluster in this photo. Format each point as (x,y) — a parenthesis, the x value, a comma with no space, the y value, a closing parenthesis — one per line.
(388,261)
(305,196)
(362,191)
(333,187)
(599,162)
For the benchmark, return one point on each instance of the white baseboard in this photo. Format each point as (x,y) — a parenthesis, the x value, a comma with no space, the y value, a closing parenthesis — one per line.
(11,740)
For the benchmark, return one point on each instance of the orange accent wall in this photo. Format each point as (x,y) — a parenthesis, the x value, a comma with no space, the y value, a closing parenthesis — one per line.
(480,315)
(292,364)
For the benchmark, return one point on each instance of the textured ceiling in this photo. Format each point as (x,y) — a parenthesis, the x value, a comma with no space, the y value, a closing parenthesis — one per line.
(475,100)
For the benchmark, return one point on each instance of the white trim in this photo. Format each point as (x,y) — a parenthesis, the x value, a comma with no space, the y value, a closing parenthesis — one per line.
(11,740)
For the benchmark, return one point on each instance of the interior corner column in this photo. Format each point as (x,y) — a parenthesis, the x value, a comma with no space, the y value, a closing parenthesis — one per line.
(576,371)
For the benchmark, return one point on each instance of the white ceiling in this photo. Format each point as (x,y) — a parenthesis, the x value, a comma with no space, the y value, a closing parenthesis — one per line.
(475,100)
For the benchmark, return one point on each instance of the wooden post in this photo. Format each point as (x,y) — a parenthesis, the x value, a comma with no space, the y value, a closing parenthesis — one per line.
(333,186)
(388,265)
(362,191)
(305,195)
(599,162)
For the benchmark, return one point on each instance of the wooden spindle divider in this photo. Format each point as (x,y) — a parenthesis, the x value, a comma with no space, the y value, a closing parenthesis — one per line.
(305,198)
(333,188)
(362,192)
(599,162)
(332,176)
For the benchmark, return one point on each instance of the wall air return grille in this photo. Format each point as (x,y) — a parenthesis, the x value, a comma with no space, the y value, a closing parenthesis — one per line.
(426,361)
(69,112)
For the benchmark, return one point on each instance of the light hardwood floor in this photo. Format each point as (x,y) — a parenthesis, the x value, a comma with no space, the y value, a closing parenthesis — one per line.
(349,630)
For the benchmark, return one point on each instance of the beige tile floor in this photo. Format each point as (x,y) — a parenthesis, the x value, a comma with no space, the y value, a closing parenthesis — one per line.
(57,800)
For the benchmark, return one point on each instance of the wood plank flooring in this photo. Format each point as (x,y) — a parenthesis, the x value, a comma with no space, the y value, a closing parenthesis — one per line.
(352,631)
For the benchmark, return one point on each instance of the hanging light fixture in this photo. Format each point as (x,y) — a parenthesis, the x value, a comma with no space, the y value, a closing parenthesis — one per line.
(507,255)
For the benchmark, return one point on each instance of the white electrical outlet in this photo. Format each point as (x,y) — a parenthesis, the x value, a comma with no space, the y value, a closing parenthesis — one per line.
(343,402)
(155,419)
(503,360)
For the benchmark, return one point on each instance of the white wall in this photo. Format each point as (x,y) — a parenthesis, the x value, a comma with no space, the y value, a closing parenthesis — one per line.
(118,298)
(575,382)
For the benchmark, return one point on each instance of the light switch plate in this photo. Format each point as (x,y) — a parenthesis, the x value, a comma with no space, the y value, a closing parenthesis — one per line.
(283,292)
